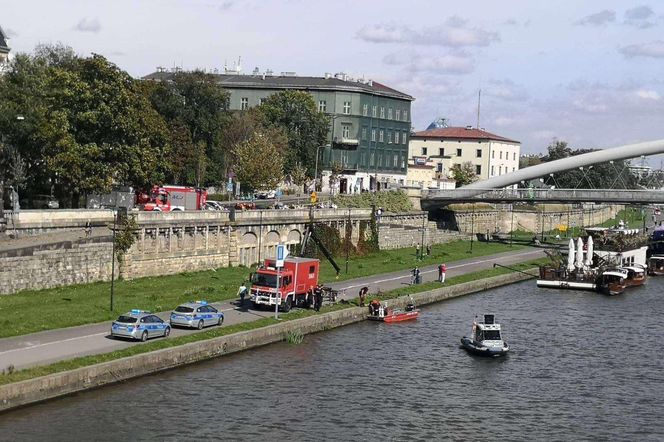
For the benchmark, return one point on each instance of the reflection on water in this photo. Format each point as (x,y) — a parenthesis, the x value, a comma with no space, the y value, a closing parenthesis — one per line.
(582,366)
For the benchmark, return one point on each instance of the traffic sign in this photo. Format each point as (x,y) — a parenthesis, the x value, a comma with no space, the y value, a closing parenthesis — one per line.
(282,253)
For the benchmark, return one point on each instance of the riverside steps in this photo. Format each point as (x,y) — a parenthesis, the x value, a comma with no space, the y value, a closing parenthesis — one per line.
(68,382)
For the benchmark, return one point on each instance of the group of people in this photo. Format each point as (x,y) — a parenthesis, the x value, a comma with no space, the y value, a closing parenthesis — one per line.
(416,274)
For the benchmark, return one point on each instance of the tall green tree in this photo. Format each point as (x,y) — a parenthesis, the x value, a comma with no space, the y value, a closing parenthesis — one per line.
(259,162)
(84,124)
(463,173)
(295,112)
(195,102)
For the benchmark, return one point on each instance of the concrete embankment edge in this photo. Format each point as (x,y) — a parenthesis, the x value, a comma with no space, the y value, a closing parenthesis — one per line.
(60,384)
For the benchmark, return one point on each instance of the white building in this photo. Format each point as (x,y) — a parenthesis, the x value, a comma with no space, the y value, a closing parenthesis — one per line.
(4,50)
(441,148)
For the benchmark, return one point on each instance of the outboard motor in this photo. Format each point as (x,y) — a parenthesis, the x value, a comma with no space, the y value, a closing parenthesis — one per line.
(410,307)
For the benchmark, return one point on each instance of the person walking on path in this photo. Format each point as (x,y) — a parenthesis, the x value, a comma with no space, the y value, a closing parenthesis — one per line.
(363,294)
(242,292)
(417,251)
(418,277)
(442,269)
(412,275)
(318,298)
(428,249)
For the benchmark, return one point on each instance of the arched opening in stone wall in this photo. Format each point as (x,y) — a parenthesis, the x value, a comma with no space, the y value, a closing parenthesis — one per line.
(248,248)
(272,240)
(293,241)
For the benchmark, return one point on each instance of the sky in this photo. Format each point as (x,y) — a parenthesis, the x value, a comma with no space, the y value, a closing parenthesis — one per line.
(587,72)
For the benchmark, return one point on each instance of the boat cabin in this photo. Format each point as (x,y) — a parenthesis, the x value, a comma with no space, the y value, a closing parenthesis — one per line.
(487,330)
(656,265)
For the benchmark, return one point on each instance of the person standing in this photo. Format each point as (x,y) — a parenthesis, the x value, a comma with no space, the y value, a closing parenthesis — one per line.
(428,249)
(242,292)
(318,298)
(417,251)
(442,269)
(363,294)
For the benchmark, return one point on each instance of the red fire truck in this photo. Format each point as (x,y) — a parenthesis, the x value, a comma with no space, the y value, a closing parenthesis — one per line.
(296,278)
(172,198)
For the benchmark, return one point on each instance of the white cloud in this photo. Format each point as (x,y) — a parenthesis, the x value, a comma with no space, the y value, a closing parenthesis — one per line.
(654,49)
(454,33)
(598,19)
(648,94)
(88,25)
(505,90)
(458,63)
(639,16)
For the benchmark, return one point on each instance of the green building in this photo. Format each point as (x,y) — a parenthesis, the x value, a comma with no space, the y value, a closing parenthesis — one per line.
(370,122)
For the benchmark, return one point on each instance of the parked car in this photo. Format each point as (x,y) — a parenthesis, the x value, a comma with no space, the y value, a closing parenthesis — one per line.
(139,324)
(45,202)
(266,194)
(213,205)
(196,314)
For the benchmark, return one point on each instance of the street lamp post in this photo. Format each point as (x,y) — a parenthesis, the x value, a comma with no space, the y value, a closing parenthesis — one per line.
(2,186)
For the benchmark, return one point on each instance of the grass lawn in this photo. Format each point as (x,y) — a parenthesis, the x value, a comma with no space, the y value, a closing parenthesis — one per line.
(89,303)
(10,376)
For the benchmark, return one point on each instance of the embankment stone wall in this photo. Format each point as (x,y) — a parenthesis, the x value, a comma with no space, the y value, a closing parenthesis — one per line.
(76,264)
(60,384)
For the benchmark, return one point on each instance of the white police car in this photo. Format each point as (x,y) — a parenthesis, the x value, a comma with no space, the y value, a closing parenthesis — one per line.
(139,324)
(196,314)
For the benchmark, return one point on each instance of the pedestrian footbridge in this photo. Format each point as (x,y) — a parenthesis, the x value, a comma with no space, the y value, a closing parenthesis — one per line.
(433,199)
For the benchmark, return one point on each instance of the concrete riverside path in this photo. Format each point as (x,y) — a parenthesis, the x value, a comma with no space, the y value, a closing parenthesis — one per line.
(46,347)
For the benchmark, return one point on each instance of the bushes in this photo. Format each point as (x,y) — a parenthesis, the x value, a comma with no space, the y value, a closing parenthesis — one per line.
(392,201)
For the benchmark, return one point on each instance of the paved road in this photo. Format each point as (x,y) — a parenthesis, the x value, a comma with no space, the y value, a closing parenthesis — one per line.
(55,345)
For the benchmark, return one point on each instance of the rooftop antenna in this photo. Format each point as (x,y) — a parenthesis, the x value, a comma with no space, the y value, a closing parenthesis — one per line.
(479,100)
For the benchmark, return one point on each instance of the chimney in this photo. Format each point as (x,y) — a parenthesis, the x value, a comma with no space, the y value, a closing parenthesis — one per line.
(328,75)
(469,127)
(370,82)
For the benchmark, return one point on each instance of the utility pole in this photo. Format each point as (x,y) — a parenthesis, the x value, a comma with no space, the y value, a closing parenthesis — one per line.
(349,234)
(422,247)
(479,99)
(472,228)
(115,220)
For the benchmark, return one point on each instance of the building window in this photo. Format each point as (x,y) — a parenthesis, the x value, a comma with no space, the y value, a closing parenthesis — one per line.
(389,137)
(345,131)
(380,136)
(405,115)
(373,138)
(396,161)
(396,137)
(500,170)
(513,169)
(347,107)
(492,171)
(458,152)
(373,111)
(403,139)
(261,101)
(365,110)
(382,112)
(478,169)
(424,151)
(478,154)
(389,113)
(403,162)
(372,159)
(322,106)
(493,154)
(397,114)
(441,152)
(244,103)
(500,155)
(364,133)
(439,167)
(514,156)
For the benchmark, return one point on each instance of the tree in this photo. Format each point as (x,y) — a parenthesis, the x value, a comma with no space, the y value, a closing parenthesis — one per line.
(295,112)
(463,173)
(337,168)
(259,162)
(195,101)
(85,125)
(608,175)
(299,176)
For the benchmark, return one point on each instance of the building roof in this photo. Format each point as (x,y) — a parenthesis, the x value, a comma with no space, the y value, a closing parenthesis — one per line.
(463,133)
(3,41)
(331,83)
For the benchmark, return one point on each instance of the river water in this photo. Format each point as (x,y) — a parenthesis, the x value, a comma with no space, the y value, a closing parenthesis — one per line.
(583,366)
